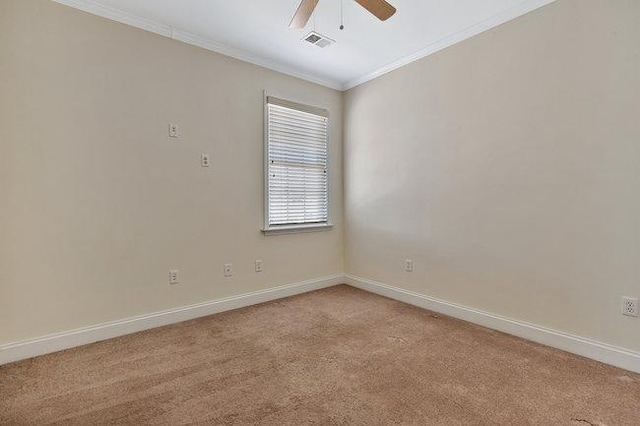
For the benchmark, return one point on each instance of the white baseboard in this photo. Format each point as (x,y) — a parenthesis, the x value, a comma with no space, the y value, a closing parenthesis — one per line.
(602,352)
(56,342)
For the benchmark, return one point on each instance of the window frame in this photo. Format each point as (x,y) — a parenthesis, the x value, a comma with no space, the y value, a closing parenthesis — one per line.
(302,227)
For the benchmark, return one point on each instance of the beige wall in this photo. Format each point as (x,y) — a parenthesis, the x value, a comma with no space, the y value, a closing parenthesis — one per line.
(98,204)
(508,168)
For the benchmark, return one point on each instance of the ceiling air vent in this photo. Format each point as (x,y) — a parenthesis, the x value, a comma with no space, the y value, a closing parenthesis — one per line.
(318,39)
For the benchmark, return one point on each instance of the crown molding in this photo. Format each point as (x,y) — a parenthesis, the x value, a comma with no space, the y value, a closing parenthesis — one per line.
(494,21)
(117,15)
(166,30)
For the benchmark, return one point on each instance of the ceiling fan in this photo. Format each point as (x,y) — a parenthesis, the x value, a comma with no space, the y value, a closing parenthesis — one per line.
(379,8)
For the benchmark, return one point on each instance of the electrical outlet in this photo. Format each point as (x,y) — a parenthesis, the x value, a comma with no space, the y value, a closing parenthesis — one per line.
(258,265)
(408,265)
(228,270)
(630,306)
(205,161)
(173,130)
(174,276)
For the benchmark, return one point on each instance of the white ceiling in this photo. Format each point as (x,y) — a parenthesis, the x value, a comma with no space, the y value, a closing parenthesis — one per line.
(257,31)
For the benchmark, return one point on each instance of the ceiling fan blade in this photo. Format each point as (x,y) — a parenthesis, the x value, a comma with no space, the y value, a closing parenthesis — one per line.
(379,8)
(304,12)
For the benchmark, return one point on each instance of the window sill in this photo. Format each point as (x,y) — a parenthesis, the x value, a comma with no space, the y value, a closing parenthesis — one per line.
(296,229)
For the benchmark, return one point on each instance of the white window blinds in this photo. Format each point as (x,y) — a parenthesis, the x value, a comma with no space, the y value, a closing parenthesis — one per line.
(297,179)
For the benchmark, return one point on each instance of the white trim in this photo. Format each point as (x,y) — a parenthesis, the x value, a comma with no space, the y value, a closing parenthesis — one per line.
(494,21)
(30,348)
(598,351)
(208,44)
(119,16)
(165,30)
(296,229)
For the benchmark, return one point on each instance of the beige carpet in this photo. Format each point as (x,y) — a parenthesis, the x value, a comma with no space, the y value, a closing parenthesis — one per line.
(338,356)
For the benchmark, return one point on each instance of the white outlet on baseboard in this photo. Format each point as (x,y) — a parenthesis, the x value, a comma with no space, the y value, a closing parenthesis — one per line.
(630,306)
(258,265)
(228,270)
(174,276)
(408,265)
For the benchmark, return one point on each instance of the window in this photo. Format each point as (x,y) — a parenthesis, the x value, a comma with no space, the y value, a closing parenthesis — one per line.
(297,181)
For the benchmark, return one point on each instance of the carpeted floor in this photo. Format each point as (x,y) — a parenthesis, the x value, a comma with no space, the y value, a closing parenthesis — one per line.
(337,356)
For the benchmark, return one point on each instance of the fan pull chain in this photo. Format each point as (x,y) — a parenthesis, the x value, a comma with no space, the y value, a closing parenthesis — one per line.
(342,14)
